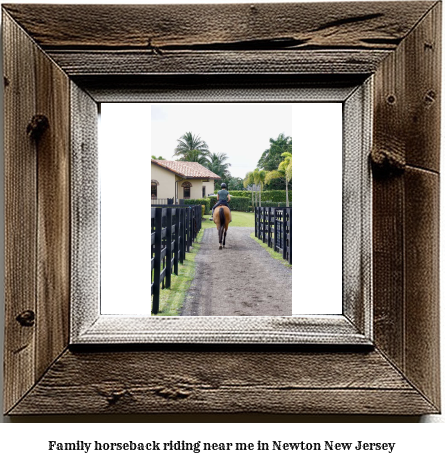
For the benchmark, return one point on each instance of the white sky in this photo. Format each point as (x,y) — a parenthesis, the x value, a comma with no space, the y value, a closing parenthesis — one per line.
(242,131)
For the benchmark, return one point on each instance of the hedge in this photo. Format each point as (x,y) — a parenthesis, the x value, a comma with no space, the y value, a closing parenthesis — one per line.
(271,196)
(239,204)
(205,202)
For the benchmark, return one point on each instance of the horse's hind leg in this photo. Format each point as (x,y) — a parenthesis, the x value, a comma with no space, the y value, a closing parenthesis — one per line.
(220,233)
(224,241)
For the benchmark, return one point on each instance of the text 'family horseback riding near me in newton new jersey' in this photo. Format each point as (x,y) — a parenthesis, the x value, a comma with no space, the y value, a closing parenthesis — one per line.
(200,446)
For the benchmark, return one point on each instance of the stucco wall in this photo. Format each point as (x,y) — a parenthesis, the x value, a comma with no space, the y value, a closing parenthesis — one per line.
(210,187)
(166,179)
(195,190)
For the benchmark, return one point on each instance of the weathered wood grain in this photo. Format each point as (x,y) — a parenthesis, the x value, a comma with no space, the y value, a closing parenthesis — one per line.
(388,201)
(422,323)
(84,234)
(357,209)
(53,226)
(407,113)
(118,62)
(219,87)
(153,27)
(388,268)
(108,329)
(20,213)
(406,132)
(397,41)
(423,91)
(223,382)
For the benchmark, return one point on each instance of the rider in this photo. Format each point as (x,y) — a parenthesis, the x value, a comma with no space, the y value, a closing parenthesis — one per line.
(223,198)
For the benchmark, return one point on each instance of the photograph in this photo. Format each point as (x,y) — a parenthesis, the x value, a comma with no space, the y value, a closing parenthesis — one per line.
(222,212)
(245,186)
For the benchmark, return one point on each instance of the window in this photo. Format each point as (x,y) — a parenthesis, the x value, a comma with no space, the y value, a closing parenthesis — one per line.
(186,186)
(203,192)
(154,190)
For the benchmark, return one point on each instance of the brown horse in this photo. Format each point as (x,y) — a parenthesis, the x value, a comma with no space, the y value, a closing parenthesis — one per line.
(222,217)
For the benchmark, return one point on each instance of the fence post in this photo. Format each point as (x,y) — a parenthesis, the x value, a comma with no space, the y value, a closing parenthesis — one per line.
(182,228)
(275,229)
(194,224)
(186,228)
(168,255)
(256,221)
(264,223)
(284,233)
(189,228)
(269,236)
(258,210)
(260,223)
(290,236)
(157,263)
(176,248)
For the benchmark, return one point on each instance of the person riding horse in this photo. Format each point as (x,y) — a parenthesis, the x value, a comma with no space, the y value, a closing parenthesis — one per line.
(223,198)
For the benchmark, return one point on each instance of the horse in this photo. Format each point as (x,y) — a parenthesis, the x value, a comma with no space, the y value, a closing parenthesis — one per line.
(221,217)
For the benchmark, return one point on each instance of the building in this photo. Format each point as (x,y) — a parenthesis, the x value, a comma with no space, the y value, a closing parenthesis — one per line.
(181,180)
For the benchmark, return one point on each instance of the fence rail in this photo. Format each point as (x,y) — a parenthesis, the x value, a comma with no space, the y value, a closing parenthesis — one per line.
(273,225)
(173,230)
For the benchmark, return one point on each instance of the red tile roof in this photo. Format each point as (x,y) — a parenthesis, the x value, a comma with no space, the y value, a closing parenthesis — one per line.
(187,169)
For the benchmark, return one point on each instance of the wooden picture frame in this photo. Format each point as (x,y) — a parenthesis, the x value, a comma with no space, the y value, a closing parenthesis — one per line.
(98,52)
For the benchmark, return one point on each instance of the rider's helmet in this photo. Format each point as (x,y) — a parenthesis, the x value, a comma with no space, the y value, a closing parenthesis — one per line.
(223,185)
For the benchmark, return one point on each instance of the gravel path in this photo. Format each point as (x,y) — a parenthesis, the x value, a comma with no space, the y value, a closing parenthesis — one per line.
(240,280)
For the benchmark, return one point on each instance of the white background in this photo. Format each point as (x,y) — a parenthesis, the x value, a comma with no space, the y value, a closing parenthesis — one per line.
(26,443)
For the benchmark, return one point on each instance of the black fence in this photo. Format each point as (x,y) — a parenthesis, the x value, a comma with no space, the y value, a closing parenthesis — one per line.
(173,230)
(273,225)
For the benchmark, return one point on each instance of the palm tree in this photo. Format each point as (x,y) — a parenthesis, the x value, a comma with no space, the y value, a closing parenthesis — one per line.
(196,156)
(259,177)
(192,148)
(284,171)
(271,158)
(249,180)
(218,164)
(235,184)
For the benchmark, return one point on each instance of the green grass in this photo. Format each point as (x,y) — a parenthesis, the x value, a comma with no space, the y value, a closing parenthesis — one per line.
(239,219)
(271,252)
(172,299)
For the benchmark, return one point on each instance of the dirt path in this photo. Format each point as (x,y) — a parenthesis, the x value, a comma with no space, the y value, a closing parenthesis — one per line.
(240,280)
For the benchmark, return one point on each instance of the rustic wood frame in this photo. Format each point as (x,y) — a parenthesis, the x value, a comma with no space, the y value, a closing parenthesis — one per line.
(101,49)
(89,321)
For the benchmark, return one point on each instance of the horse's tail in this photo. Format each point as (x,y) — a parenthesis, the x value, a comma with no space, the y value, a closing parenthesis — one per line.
(222,217)
(222,220)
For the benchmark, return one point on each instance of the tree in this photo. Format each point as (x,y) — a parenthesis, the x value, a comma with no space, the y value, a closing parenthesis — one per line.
(217,163)
(192,148)
(235,184)
(271,158)
(259,177)
(284,171)
(154,157)
(249,181)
